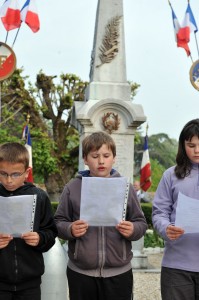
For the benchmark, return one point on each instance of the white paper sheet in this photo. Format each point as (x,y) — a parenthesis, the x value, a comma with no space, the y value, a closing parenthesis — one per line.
(187,212)
(103,200)
(17,214)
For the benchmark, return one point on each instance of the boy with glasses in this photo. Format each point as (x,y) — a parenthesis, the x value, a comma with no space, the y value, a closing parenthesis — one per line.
(21,259)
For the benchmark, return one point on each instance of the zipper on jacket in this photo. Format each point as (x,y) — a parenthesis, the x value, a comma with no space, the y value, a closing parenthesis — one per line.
(76,249)
(101,250)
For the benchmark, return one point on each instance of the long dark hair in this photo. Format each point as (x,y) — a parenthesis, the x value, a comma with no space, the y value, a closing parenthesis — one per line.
(183,167)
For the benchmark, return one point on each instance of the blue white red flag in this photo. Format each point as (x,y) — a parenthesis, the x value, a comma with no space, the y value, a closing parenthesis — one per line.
(188,25)
(28,145)
(182,35)
(10,14)
(145,171)
(190,20)
(29,15)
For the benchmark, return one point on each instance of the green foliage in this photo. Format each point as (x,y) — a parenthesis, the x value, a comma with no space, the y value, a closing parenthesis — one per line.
(54,141)
(147,210)
(134,89)
(163,149)
(152,239)
(44,162)
(54,206)
(157,172)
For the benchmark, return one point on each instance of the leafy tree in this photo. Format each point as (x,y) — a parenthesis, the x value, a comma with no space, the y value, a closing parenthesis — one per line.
(55,142)
(157,171)
(163,149)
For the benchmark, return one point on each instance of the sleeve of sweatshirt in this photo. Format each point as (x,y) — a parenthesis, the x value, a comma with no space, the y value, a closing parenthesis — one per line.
(64,216)
(136,216)
(162,205)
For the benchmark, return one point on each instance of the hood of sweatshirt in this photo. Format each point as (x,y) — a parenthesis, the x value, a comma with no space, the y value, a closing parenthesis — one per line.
(86,173)
(20,191)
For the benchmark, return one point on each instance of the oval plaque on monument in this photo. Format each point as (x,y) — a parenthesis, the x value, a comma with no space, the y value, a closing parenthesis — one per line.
(7,61)
(194,75)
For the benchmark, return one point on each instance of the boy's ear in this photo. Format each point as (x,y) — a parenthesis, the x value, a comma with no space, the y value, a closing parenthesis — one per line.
(27,172)
(85,160)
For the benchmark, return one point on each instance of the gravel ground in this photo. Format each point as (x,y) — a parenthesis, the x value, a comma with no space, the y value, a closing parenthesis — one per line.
(147,282)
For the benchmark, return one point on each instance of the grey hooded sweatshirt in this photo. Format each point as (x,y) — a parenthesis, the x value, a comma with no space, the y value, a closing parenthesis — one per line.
(102,251)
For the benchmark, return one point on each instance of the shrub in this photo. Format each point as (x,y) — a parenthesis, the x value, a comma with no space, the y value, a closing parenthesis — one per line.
(147,210)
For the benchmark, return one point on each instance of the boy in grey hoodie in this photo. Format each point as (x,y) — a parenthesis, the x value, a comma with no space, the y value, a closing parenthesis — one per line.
(99,264)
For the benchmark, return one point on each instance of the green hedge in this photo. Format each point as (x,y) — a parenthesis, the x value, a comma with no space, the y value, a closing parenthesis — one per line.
(146,207)
(147,210)
(54,206)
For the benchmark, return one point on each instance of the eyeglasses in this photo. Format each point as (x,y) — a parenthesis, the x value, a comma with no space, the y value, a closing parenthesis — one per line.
(12,175)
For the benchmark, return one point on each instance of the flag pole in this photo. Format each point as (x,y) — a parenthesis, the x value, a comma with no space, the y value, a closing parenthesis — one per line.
(6,37)
(16,36)
(147,127)
(191,58)
(195,38)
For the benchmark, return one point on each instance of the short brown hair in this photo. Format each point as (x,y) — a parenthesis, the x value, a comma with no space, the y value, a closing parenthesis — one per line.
(14,153)
(95,141)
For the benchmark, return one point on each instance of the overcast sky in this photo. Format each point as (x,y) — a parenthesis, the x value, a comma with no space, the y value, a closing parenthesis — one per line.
(64,44)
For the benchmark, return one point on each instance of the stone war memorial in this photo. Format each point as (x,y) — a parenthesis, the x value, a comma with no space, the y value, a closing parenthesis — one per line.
(107,107)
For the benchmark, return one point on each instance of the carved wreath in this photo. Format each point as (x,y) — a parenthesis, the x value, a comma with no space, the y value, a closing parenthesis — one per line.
(109,48)
(110,121)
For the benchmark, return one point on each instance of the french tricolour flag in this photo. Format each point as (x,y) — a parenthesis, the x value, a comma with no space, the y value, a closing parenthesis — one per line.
(183,32)
(10,14)
(29,15)
(28,145)
(189,25)
(182,35)
(145,172)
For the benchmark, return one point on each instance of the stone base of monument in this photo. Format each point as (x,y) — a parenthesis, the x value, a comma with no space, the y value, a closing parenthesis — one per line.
(54,281)
(140,259)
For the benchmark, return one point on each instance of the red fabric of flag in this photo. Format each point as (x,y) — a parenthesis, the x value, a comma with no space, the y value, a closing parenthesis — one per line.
(182,34)
(145,171)
(10,14)
(30,16)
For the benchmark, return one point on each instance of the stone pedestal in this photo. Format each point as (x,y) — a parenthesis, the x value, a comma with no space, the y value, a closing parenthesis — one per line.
(140,260)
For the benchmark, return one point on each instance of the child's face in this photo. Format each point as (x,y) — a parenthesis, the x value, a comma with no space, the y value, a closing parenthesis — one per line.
(100,162)
(192,149)
(17,175)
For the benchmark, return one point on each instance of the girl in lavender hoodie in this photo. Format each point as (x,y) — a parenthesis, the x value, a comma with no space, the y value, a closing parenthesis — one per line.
(180,264)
